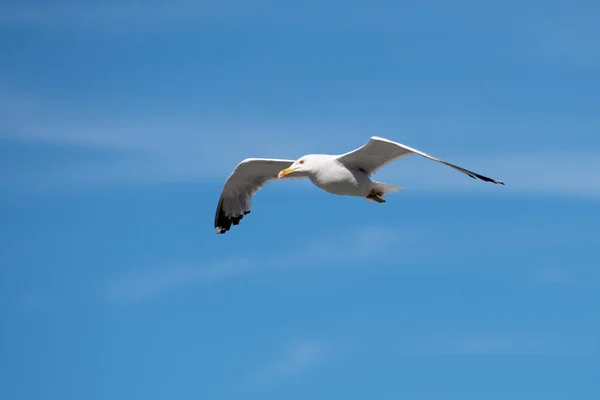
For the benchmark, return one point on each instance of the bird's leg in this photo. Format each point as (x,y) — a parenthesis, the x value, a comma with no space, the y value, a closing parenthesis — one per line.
(375,196)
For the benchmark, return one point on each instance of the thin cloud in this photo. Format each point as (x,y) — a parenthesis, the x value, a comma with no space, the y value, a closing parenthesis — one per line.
(500,343)
(569,38)
(552,275)
(574,174)
(295,359)
(137,288)
(347,250)
(190,148)
(189,155)
(133,14)
(334,251)
(37,302)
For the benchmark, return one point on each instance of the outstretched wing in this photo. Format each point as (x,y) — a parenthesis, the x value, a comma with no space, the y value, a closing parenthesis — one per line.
(378,152)
(246,179)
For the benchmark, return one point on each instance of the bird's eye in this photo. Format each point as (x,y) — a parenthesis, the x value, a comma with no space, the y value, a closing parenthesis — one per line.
(301,162)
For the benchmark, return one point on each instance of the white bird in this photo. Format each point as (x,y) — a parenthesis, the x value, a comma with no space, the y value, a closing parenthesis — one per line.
(347,174)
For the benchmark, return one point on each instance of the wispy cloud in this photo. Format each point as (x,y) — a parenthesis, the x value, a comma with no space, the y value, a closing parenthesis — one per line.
(298,358)
(570,37)
(552,275)
(118,14)
(574,174)
(141,149)
(149,284)
(36,301)
(331,251)
(170,148)
(295,359)
(136,14)
(340,250)
(499,343)
(188,155)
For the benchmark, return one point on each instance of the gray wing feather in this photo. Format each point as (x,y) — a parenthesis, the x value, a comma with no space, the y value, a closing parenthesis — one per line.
(247,178)
(378,152)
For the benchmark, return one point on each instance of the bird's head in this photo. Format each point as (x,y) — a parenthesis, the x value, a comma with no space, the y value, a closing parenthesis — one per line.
(302,167)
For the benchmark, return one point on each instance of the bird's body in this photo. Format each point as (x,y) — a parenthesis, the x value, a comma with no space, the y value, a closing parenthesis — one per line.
(347,174)
(333,177)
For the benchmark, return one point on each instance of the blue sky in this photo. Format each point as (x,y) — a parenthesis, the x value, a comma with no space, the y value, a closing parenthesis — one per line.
(120,121)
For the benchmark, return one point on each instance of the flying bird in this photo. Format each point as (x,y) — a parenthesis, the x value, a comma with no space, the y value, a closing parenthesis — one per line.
(346,174)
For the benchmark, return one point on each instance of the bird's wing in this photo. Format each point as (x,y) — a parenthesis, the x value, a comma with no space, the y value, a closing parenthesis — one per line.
(246,179)
(378,152)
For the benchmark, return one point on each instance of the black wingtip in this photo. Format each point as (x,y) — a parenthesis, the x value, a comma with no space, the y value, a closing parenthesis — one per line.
(223,222)
(472,174)
(485,178)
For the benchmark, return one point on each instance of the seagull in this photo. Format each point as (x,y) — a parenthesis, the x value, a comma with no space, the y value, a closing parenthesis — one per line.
(347,174)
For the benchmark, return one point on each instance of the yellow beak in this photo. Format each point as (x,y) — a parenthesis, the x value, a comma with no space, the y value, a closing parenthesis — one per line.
(285,172)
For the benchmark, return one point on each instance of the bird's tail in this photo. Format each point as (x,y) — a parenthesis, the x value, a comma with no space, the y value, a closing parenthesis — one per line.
(379,189)
(385,187)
